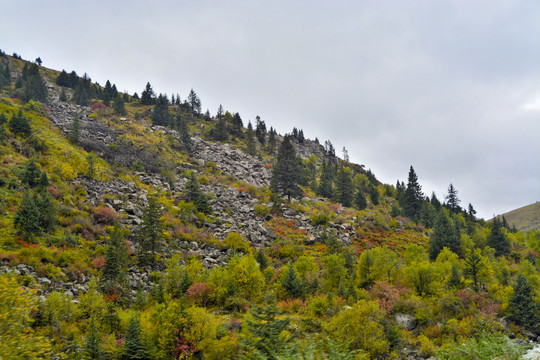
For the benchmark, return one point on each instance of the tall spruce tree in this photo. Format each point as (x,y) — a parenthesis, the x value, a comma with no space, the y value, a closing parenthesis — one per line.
(160,115)
(74,134)
(250,140)
(93,348)
(413,197)
(27,219)
(193,193)
(260,130)
(148,96)
(292,284)
(344,187)
(133,347)
(523,309)
(360,199)
(497,239)
(19,124)
(113,279)
(443,235)
(452,200)
(267,330)
(150,232)
(286,172)
(194,102)
(326,179)
(185,136)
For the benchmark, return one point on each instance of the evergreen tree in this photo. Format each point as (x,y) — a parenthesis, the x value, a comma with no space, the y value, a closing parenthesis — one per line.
(497,239)
(452,200)
(27,218)
(148,96)
(428,214)
(63,95)
(81,95)
(73,79)
(220,131)
(185,136)
(19,124)
(160,115)
(113,276)
(119,106)
(272,141)
(93,348)
(413,197)
(473,265)
(250,140)
(133,347)
(374,195)
(194,102)
(5,76)
(3,134)
(63,79)
(237,124)
(454,281)
(193,193)
(286,171)
(292,284)
(3,118)
(31,174)
(267,331)
(443,235)
(344,187)
(523,308)
(326,179)
(360,199)
(74,134)
(150,232)
(107,93)
(34,87)
(260,130)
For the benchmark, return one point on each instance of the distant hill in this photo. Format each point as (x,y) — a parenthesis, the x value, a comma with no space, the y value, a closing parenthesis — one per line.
(525,218)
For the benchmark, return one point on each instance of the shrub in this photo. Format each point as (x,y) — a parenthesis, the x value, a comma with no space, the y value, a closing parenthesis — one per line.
(235,241)
(319,219)
(198,293)
(487,346)
(106,215)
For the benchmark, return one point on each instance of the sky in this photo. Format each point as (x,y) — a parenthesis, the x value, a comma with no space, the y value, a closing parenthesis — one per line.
(448,87)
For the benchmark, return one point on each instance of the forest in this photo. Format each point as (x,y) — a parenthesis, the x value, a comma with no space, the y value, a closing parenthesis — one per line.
(140,227)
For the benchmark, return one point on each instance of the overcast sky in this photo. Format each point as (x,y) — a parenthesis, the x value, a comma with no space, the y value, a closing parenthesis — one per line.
(449,87)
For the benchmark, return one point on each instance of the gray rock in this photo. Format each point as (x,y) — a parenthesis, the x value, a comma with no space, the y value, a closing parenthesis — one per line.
(408,322)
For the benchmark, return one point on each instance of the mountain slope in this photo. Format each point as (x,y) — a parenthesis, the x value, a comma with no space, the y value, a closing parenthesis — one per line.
(525,218)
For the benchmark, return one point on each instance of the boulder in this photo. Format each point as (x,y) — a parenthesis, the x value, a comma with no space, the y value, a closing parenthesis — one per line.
(408,322)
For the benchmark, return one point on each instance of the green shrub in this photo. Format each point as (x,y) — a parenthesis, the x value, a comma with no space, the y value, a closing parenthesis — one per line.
(319,219)
(487,346)
(235,241)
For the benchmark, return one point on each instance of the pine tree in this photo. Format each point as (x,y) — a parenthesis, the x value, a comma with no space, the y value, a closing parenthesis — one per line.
(267,331)
(34,87)
(31,174)
(193,193)
(93,348)
(473,265)
(107,93)
(160,115)
(133,347)
(250,140)
(286,171)
(185,136)
(454,281)
(326,180)
(74,134)
(360,199)
(148,96)
(272,141)
(374,195)
(523,309)
(443,235)
(220,131)
(113,276)
(452,199)
(119,106)
(497,239)
(63,95)
(413,197)
(344,187)
(27,218)
(19,125)
(292,284)
(237,124)
(150,232)
(194,102)
(81,95)
(260,130)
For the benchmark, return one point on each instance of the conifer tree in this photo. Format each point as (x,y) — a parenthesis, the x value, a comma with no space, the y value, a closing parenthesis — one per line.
(194,102)
(63,95)
(133,347)
(119,106)
(497,239)
(74,134)
(326,180)
(31,174)
(360,199)
(413,196)
(34,87)
(292,284)
(220,131)
(286,172)
(272,141)
(374,195)
(443,235)
(160,115)
(19,124)
(148,96)
(93,348)
(344,187)
(193,193)
(183,131)
(260,130)
(27,218)
(237,124)
(250,140)
(473,265)
(267,330)
(113,276)
(150,232)
(81,95)
(523,309)
(454,281)
(452,200)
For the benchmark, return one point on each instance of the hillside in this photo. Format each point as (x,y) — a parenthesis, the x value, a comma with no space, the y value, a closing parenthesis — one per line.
(525,218)
(140,227)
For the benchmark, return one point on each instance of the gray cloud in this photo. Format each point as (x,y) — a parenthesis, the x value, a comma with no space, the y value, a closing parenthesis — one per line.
(449,87)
